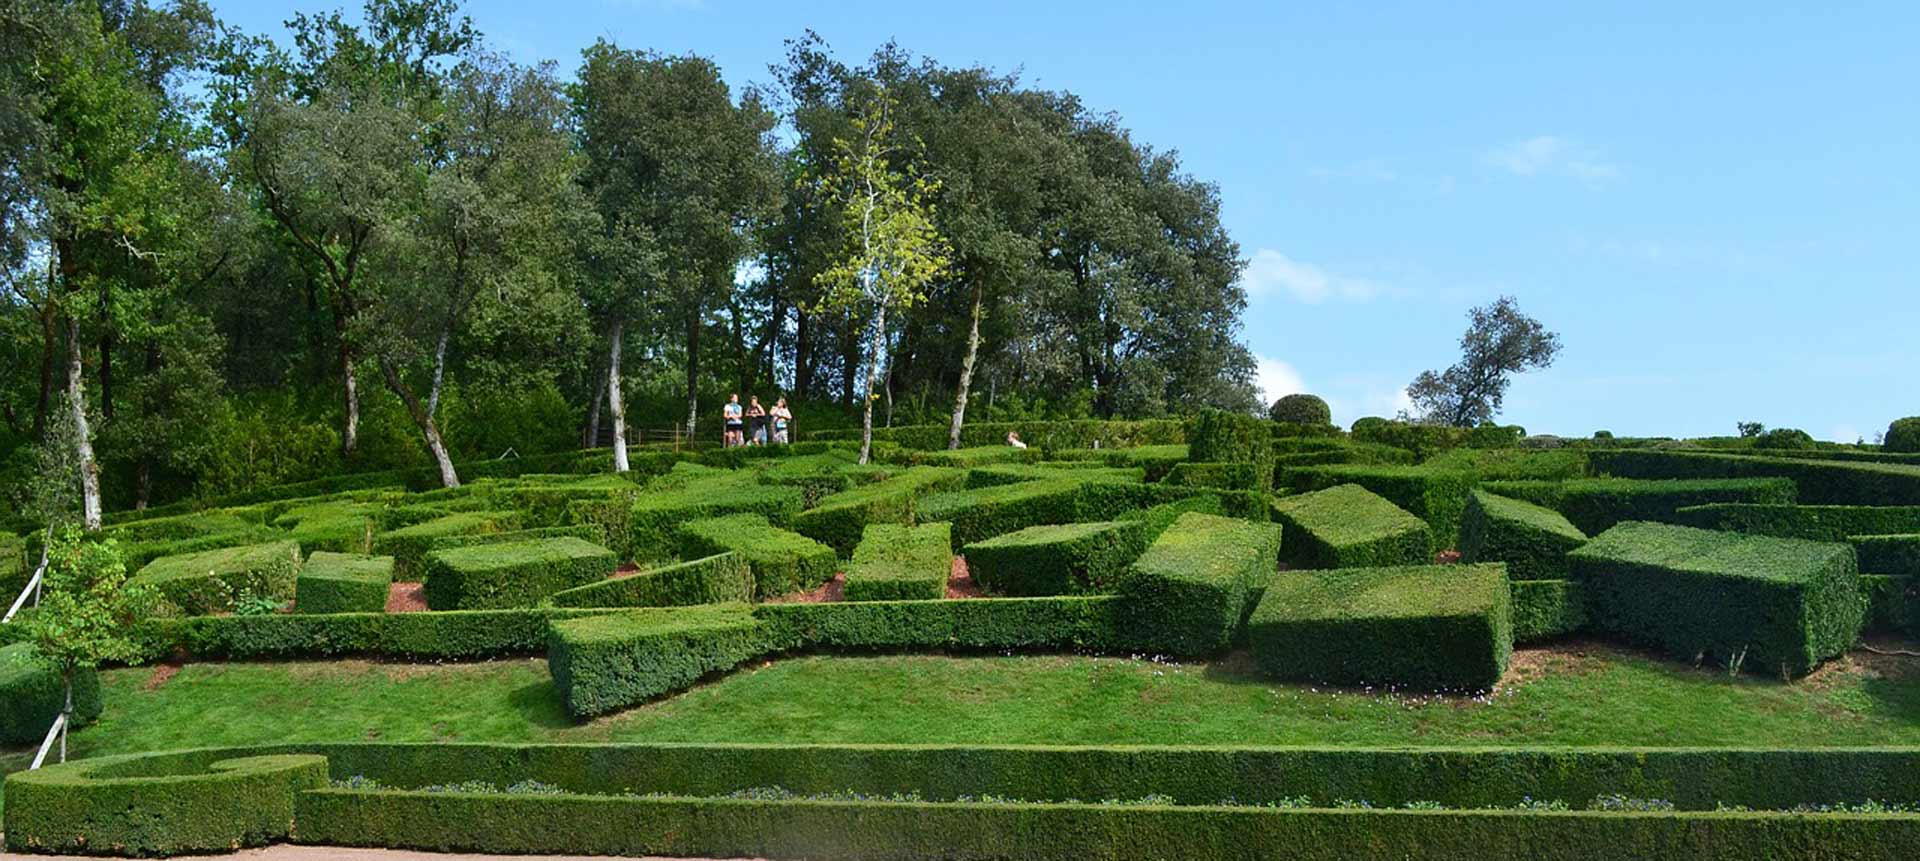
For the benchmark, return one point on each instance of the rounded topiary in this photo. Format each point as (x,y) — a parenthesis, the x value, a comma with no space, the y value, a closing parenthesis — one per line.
(1301,409)
(1784,438)
(1368,424)
(1603,434)
(1903,434)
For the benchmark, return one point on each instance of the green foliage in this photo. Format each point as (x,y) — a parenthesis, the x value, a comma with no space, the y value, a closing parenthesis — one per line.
(1186,592)
(436,636)
(715,579)
(1217,436)
(212,581)
(1547,609)
(1301,409)
(895,562)
(1903,435)
(1596,504)
(1819,482)
(1077,470)
(32,694)
(512,574)
(1892,606)
(1775,605)
(1068,559)
(1437,496)
(1424,440)
(1784,438)
(783,562)
(839,520)
(1049,436)
(984,512)
(674,499)
(1348,526)
(604,663)
(1531,540)
(1224,476)
(1353,626)
(1812,522)
(195,802)
(343,583)
(1888,554)
(1056,624)
(409,545)
(1499,342)
(1509,464)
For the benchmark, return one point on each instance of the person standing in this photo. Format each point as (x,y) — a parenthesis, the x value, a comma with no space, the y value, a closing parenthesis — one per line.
(782,417)
(756,420)
(730,416)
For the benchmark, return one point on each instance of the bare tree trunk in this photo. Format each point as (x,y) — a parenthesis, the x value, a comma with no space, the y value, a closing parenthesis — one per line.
(424,419)
(439,369)
(693,374)
(82,434)
(966,372)
(350,401)
(803,355)
(616,333)
(873,366)
(143,483)
(590,434)
(49,341)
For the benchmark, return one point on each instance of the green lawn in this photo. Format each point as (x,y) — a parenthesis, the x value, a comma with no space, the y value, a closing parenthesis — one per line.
(1579,695)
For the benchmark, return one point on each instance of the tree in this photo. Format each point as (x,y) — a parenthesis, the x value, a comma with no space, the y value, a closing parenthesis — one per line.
(1903,435)
(1749,430)
(1499,342)
(891,248)
(85,610)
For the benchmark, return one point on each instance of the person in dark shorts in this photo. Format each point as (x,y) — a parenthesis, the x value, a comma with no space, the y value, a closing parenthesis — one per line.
(756,421)
(731,416)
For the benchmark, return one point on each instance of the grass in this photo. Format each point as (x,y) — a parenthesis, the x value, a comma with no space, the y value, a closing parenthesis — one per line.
(1579,695)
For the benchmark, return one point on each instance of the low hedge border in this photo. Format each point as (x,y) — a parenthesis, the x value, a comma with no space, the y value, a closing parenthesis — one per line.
(1812,522)
(715,579)
(895,562)
(343,583)
(838,521)
(605,663)
(1888,554)
(512,574)
(1597,504)
(409,544)
(451,635)
(1819,482)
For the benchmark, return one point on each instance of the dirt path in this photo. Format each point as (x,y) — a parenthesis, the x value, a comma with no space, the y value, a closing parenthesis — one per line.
(407,598)
(960,583)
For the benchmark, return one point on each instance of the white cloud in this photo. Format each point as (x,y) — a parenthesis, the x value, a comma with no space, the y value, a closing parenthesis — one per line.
(1552,154)
(1845,433)
(1270,273)
(1276,379)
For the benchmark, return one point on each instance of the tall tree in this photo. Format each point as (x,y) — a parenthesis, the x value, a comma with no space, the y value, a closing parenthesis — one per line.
(1499,342)
(891,247)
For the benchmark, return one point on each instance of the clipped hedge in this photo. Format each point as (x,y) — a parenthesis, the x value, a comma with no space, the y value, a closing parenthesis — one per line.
(783,562)
(1096,622)
(1596,504)
(1776,605)
(1532,540)
(512,574)
(1064,559)
(1225,476)
(343,583)
(839,521)
(605,663)
(213,580)
(409,544)
(1155,460)
(451,635)
(32,695)
(1546,609)
(1045,435)
(715,579)
(1888,554)
(1359,626)
(651,524)
(1891,603)
(1437,496)
(1819,482)
(1186,592)
(1078,470)
(1348,526)
(1216,436)
(1812,522)
(988,511)
(199,802)
(895,562)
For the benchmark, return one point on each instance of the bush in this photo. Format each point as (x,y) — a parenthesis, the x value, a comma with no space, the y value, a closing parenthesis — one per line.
(1045,435)
(1903,435)
(605,663)
(212,581)
(1775,604)
(1066,559)
(652,523)
(1186,591)
(1357,626)
(1076,470)
(1812,522)
(1437,496)
(980,514)
(1156,460)
(452,635)
(408,544)
(512,574)
(1224,476)
(717,579)
(1891,604)
(32,695)
(838,521)
(1494,436)
(1114,500)
(1057,623)
(1532,540)
(343,583)
(1222,437)
(158,805)
(1819,482)
(345,532)
(1546,609)
(1301,409)
(1596,504)
(895,562)
(1784,438)
(783,562)
(1511,464)
(1348,526)
(1423,440)
(1888,554)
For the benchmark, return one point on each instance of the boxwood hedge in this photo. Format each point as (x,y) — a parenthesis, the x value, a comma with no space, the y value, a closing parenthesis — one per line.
(450,635)
(1061,623)
(1348,526)
(783,562)
(1063,559)
(1812,522)
(839,521)
(1774,605)
(1819,482)
(1186,592)
(409,544)
(212,580)
(32,695)
(896,562)
(343,583)
(716,579)
(1888,554)
(988,511)
(1546,609)
(1596,504)
(1436,496)
(1532,540)
(604,663)
(512,574)
(1355,626)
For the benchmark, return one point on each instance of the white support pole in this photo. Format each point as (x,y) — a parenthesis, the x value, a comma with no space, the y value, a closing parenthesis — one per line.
(58,731)
(32,591)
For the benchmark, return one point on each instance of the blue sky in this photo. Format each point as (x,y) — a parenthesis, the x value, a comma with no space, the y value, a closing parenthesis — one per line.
(1715,204)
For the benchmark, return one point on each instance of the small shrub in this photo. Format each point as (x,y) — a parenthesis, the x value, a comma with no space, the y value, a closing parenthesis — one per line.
(1301,409)
(513,574)
(343,583)
(1786,438)
(212,581)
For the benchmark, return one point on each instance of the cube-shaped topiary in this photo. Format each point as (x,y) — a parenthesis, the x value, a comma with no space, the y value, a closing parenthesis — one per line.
(32,695)
(1186,592)
(839,520)
(513,574)
(1773,605)
(898,563)
(1348,526)
(1434,494)
(1546,609)
(211,581)
(1215,436)
(1433,627)
(984,512)
(604,663)
(651,528)
(408,544)
(1063,559)
(714,579)
(343,583)
(783,562)
(1532,540)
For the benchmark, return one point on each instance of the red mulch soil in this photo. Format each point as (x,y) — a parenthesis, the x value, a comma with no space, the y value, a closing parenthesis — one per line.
(407,598)
(161,673)
(1446,557)
(960,584)
(625,571)
(832,590)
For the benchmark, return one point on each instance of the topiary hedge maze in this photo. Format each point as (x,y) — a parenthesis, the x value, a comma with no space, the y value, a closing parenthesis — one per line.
(1143,539)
